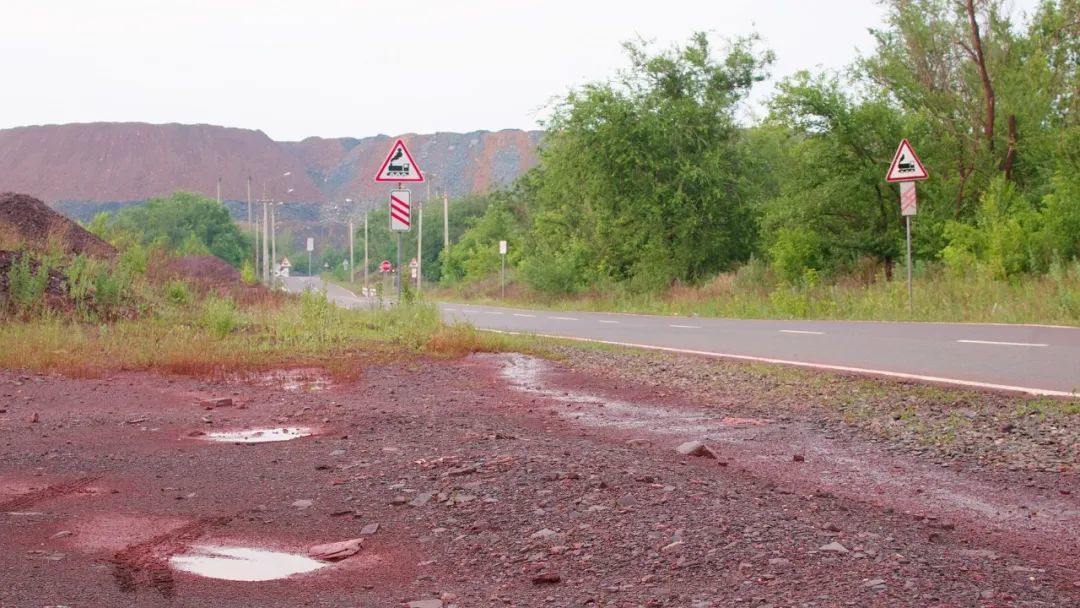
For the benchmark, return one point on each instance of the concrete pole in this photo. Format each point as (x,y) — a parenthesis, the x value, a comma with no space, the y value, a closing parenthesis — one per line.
(365,251)
(252,225)
(266,242)
(219,191)
(445,221)
(273,238)
(352,258)
(419,249)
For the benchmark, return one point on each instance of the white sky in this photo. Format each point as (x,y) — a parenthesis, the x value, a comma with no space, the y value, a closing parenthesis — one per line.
(358,68)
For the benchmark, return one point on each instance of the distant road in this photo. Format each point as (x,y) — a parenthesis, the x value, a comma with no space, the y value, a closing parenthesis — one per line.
(1034,359)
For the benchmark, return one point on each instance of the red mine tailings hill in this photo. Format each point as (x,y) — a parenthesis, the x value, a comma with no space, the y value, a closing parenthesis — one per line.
(116,162)
(28,223)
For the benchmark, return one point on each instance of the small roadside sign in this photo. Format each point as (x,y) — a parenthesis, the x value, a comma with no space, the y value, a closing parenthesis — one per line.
(414,263)
(399,166)
(285,263)
(385,266)
(502,247)
(908,203)
(310,244)
(906,166)
(400,210)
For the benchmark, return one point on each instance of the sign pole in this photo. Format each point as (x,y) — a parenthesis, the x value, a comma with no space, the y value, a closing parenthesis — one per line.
(909,296)
(419,248)
(398,270)
(365,254)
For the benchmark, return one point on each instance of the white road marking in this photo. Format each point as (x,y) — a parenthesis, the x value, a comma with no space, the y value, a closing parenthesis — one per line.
(1000,343)
(685,326)
(609,321)
(450,309)
(563,319)
(518,314)
(799,331)
(492,312)
(835,368)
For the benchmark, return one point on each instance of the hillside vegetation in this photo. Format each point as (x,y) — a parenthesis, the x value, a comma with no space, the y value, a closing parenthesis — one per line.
(651,194)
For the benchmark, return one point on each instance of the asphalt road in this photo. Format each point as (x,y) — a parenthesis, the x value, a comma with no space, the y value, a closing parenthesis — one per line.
(1034,359)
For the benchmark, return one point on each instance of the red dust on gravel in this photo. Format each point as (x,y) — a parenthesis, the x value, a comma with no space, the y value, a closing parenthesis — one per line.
(484,495)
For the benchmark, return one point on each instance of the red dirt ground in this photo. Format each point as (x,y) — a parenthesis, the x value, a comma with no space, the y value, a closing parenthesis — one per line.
(490,493)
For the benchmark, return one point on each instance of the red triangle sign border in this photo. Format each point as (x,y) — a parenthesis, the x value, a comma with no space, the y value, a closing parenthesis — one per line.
(920,175)
(419,177)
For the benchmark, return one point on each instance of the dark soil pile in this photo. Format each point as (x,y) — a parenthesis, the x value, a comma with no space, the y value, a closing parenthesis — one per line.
(208,274)
(29,223)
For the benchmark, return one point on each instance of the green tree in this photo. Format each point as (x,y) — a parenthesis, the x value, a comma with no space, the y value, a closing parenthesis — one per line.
(641,178)
(184,223)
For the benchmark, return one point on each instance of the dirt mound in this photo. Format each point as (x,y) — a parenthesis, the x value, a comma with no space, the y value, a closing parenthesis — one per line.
(208,274)
(28,223)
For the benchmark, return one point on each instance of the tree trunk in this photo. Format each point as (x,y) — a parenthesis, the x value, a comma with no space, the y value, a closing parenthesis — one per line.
(888,268)
(980,61)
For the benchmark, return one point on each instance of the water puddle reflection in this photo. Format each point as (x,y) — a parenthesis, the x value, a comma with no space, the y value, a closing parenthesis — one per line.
(259,435)
(242,563)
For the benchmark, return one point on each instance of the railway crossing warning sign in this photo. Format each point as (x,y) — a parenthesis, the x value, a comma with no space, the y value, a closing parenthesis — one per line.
(908,203)
(399,166)
(906,166)
(400,210)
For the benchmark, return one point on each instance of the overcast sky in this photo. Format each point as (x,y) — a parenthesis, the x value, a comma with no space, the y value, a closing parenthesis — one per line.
(357,68)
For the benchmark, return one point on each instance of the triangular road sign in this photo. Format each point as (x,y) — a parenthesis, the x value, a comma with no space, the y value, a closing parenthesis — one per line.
(906,166)
(399,166)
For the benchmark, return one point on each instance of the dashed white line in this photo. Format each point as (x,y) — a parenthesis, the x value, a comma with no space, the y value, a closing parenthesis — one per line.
(800,331)
(608,321)
(563,319)
(518,314)
(491,312)
(450,309)
(685,326)
(992,343)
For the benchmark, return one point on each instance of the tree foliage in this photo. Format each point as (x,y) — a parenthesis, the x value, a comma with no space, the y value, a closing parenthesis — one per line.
(183,224)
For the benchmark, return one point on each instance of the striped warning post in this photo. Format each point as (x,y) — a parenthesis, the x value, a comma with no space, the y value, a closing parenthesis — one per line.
(400,210)
(908,204)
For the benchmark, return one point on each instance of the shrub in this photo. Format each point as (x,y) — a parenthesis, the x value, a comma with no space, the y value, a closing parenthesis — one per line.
(221,316)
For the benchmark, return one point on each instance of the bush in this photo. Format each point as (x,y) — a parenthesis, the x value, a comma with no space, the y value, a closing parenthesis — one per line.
(177,292)
(221,316)
(26,285)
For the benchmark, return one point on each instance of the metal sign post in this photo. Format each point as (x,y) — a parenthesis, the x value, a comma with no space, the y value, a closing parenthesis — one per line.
(399,167)
(906,168)
(310,248)
(502,272)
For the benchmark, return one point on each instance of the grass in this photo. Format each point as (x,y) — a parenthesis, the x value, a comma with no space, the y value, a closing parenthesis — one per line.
(754,293)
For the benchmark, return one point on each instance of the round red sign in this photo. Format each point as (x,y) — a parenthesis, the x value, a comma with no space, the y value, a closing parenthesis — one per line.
(385,266)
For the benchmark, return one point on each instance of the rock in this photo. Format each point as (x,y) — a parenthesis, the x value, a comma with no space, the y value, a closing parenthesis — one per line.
(425,604)
(874,582)
(217,402)
(421,499)
(369,529)
(303,503)
(336,551)
(548,578)
(834,547)
(695,448)
(798,458)
(831,527)
(543,534)
(675,547)
(62,534)
(779,561)
(35,418)
(461,471)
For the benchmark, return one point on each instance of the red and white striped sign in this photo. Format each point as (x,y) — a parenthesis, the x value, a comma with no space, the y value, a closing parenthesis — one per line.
(400,210)
(907,199)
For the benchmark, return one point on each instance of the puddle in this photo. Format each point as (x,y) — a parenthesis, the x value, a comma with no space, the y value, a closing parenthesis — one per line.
(296,380)
(259,435)
(525,374)
(242,563)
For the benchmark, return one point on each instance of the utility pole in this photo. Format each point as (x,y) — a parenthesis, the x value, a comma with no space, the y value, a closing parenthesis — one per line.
(352,258)
(365,251)
(273,237)
(219,191)
(252,225)
(266,241)
(445,221)
(419,248)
